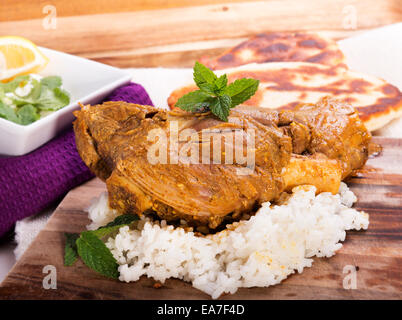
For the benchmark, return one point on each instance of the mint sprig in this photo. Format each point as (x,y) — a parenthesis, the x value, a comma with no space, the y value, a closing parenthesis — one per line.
(221,106)
(70,249)
(241,90)
(215,94)
(96,255)
(92,250)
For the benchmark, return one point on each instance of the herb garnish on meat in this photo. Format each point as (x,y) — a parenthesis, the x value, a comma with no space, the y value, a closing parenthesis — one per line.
(215,94)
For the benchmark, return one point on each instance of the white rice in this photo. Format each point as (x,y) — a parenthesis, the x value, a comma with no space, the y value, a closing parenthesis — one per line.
(100,213)
(259,252)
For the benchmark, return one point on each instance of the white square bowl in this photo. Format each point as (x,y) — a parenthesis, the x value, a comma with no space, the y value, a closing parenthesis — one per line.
(87,82)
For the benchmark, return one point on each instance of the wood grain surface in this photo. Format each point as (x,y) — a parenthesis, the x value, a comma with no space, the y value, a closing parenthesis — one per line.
(175,33)
(376,253)
(22,9)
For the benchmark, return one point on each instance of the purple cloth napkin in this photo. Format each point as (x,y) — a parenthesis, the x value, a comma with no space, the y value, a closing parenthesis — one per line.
(30,183)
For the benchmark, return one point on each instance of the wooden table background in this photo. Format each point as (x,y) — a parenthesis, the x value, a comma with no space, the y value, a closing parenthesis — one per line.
(174,33)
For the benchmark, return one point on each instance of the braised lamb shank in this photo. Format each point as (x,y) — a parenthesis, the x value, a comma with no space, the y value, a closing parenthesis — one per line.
(314,144)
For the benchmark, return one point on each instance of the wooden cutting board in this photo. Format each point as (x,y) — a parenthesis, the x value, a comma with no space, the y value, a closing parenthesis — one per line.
(175,33)
(376,253)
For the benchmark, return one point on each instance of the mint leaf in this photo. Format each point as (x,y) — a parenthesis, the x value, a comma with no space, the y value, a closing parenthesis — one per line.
(91,248)
(124,219)
(8,113)
(27,114)
(62,95)
(208,88)
(215,94)
(52,99)
(96,255)
(32,97)
(203,75)
(36,90)
(115,225)
(103,232)
(194,101)
(70,250)
(241,90)
(51,81)
(45,94)
(13,84)
(221,83)
(221,107)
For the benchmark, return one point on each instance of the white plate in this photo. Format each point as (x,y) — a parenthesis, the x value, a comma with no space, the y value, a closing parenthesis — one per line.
(86,81)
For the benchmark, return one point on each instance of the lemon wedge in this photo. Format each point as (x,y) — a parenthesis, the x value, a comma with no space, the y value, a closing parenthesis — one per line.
(19,56)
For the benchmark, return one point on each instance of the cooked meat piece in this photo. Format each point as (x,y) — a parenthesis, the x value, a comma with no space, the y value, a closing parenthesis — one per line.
(335,130)
(116,149)
(116,139)
(324,174)
(328,127)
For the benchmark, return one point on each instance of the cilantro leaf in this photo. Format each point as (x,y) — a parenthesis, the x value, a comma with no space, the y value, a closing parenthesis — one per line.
(70,250)
(241,90)
(221,107)
(96,255)
(203,75)
(51,81)
(27,114)
(194,101)
(215,94)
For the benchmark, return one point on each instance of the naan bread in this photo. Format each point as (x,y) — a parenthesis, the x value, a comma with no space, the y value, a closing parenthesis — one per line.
(279,47)
(283,85)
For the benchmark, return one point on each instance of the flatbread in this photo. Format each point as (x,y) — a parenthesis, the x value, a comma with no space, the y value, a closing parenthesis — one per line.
(279,47)
(283,85)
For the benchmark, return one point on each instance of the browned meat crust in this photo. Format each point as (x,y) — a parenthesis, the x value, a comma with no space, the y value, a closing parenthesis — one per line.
(113,140)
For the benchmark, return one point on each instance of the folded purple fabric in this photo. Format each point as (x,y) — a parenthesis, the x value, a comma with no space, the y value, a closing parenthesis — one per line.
(30,183)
